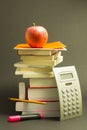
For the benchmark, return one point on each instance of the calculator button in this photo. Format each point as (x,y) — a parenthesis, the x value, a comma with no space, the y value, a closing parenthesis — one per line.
(72,94)
(73,98)
(64,105)
(69,99)
(77,102)
(74,112)
(78,110)
(70,112)
(73,103)
(77,98)
(73,107)
(65,109)
(77,94)
(76,89)
(63,91)
(65,113)
(69,108)
(72,89)
(68,94)
(69,104)
(77,106)
(64,100)
(64,96)
(67,90)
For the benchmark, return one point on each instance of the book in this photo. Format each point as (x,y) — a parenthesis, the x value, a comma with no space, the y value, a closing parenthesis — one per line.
(42,62)
(51,109)
(47,114)
(42,82)
(21,65)
(40,57)
(39,64)
(35,74)
(42,93)
(35,51)
(50,105)
(26,68)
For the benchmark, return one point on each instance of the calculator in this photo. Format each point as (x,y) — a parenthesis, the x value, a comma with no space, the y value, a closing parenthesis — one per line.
(69,92)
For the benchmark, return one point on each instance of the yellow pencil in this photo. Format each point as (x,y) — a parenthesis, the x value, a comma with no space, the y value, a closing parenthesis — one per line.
(27,101)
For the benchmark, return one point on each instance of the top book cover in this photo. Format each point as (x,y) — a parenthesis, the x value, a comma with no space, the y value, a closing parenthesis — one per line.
(48,49)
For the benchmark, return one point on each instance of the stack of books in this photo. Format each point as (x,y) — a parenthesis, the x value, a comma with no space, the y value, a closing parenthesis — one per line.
(36,64)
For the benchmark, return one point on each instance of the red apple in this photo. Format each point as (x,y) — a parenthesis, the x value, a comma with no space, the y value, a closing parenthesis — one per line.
(36,36)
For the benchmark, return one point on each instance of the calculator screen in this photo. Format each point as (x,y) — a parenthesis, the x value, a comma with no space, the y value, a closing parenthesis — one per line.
(66,76)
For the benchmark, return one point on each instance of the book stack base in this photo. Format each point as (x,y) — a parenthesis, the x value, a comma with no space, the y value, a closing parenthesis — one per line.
(50,96)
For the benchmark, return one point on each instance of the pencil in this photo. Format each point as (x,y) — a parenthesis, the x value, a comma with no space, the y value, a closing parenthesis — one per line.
(27,101)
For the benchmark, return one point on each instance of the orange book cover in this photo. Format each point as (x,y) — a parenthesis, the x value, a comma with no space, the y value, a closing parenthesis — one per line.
(52,45)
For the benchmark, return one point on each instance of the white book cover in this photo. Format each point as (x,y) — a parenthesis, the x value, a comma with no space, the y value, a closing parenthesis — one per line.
(45,93)
(42,82)
(50,106)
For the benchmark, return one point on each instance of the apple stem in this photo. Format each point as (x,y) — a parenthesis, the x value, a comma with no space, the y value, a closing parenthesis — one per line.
(33,24)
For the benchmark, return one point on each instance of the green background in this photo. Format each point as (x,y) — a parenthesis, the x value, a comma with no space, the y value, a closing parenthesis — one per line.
(65,20)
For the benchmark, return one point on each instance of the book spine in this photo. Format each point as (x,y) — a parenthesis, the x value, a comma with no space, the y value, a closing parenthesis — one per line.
(36,52)
(40,63)
(40,57)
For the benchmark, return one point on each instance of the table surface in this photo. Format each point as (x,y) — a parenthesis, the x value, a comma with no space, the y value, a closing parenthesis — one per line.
(78,123)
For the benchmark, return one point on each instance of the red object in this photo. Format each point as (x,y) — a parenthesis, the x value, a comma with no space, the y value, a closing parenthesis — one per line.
(14,118)
(36,36)
(17,118)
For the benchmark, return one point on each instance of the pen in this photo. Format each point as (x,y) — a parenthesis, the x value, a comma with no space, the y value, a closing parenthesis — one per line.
(16,118)
(27,101)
